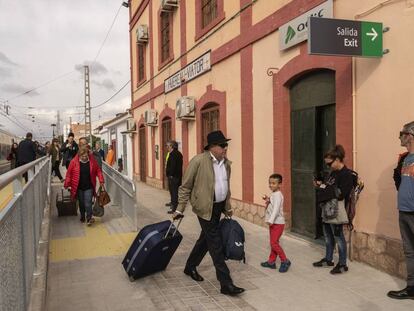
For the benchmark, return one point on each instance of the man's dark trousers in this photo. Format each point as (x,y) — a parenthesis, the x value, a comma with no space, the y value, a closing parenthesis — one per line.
(210,240)
(407,235)
(173,184)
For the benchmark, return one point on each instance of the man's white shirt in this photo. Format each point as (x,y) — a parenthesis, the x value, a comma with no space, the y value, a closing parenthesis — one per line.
(221,185)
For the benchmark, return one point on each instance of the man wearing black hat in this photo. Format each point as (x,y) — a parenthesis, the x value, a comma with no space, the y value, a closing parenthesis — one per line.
(206,185)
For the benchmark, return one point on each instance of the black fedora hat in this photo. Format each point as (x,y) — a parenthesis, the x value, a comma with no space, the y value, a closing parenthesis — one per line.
(215,138)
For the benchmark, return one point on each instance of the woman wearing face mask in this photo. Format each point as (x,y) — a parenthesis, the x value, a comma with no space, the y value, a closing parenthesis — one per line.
(81,179)
(342,178)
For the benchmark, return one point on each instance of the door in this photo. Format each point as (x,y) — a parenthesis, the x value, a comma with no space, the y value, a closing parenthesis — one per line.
(124,155)
(166,136)
(142,155)
(303,168)
(313,134)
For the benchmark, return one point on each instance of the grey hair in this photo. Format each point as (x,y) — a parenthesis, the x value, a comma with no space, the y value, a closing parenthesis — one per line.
(409,127)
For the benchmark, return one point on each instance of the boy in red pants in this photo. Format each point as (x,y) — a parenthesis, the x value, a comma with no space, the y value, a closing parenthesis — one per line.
(274,218)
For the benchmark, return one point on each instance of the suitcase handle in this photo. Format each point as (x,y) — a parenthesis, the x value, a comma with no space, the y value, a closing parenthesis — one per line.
(176,228)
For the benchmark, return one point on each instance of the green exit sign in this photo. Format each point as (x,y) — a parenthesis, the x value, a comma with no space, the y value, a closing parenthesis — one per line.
(328,36)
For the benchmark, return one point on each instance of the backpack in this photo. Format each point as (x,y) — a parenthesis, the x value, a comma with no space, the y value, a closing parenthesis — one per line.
(232,235)
(358,186)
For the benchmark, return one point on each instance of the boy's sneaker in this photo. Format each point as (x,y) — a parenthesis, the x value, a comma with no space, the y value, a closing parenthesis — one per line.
(323,262)
(91,221)
(266,264)
(82,219)
(284,266)
(339,269)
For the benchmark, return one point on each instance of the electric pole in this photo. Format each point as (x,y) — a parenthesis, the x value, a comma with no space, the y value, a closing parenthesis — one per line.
(58,124)
(70,124)
(88,125)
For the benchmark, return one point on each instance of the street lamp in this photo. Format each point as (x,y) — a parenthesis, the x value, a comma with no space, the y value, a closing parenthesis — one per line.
(53,125)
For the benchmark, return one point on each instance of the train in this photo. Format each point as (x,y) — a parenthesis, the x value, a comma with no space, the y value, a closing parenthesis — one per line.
(6,142)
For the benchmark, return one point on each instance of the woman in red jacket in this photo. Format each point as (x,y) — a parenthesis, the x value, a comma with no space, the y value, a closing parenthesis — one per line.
(81,179)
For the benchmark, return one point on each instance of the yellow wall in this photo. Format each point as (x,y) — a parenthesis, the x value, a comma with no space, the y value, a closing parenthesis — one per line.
(263,109)
(264,8)
(384,100)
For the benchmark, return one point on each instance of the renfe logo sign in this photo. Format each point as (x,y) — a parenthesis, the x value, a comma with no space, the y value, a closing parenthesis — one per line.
(296,30)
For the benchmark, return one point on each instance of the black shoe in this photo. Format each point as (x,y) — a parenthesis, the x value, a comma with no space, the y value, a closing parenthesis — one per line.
(168,204)
(406,293)
(339,269)
(171,211)
(266,264)
(194,274)
(323,262)
(231,290)
(82,219)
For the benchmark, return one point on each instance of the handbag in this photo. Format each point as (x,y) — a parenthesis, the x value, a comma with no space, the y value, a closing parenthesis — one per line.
(97,210)
(103,197)
(329,209)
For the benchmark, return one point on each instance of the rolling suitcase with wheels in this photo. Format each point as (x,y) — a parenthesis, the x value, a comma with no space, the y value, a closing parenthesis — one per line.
(65,205)
(152,249)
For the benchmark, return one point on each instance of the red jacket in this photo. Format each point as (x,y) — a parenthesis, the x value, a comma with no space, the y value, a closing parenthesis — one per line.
(73,175)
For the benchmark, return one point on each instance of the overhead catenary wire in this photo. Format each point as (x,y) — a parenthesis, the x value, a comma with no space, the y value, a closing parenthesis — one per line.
(107,34)
(116,93)
(40,86)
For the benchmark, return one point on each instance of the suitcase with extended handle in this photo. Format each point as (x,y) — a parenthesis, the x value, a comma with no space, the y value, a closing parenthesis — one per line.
(65,205)
(152,249)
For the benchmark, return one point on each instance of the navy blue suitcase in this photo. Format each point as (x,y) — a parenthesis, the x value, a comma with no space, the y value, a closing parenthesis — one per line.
(152,249)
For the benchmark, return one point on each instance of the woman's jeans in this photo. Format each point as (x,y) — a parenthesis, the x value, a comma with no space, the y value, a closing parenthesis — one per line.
(334,234)
(85,202)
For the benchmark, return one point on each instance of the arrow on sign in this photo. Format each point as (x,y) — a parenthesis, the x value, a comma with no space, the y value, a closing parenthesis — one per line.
(372,34)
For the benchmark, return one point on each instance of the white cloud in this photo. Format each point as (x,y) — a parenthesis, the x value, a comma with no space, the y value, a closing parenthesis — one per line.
(49,38)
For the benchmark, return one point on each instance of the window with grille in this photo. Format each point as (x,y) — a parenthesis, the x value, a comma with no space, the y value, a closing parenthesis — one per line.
(165,36)
(208,11)
(141,63)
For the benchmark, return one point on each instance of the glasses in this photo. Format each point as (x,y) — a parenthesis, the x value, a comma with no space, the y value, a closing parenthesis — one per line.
(223,145)
(404,133)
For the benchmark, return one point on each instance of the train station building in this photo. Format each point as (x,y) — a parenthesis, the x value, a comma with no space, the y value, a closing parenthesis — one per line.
(243,67)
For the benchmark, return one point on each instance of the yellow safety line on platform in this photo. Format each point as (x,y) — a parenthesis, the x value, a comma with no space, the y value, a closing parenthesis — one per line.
(96,243)
(6,194)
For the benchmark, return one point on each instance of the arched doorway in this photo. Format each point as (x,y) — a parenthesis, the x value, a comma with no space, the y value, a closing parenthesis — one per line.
(313,132)
(166,135)
(210,121)
(142,154)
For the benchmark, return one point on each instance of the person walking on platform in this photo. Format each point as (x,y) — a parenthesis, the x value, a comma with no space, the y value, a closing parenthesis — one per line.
(69,149)
(12,157)
(26,152)
(110,157)
(56,157)
(81,179)
(206,185)
(174,172)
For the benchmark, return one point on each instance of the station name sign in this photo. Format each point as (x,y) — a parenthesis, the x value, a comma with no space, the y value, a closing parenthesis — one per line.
(188,73)
(341,37)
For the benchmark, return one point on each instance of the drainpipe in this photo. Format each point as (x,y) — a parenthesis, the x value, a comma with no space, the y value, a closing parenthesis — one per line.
(354,135)
(354,128)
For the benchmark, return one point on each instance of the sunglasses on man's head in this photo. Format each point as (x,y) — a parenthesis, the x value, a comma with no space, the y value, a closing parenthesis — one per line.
(404,133)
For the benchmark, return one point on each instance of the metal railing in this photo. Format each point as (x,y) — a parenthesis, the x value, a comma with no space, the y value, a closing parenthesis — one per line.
(121,189)
(20,226)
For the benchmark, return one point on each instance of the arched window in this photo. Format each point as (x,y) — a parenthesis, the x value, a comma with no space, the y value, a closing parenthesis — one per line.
(210,121)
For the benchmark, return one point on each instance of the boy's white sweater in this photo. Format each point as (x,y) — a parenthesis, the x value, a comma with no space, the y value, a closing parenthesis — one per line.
(274,211)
